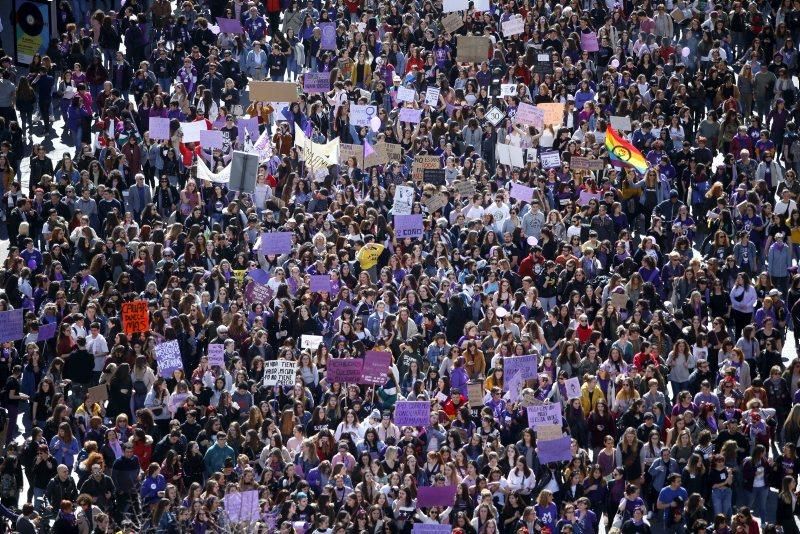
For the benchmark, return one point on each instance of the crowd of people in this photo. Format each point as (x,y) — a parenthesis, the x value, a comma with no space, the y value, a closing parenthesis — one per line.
(659,270)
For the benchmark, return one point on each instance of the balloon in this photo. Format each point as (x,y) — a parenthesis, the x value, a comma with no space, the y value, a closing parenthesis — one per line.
(615,63)
(685,51)
(501,312)
(532,241)
(32,264)
(375,124)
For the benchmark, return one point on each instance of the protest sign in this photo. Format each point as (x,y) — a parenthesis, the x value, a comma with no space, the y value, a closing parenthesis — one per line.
(434,177)
(530,115)
(573,387)
(621,124)
(273,91)
(424,162)
(452,22)
(544,414)
(135,317)
(176,401)
(191,131)
(410,226)
(525,365)
(542,64)
(376,367)
(436,495)
(47,331)
(279,373)
(12,325)
(431,528)
(475,393)
(242,506)
(619,300)
(449,6)
(403,200)
(551,159)
(514,385)
(97,394)
(508,89)
(275,243)
(247,126)
(229,25)
(328,37)
(404,94)
(310,342)
(472,48)
(588,164)
(412,413)
(513,26)
(589,42)
(548,432)
(346,371)
(343,305)
(510,155)
(211,139)
(480,5)
(361,115)
(383,154)
(159,128)
(316,82)
(347,151)
(168,357)
(414,116)
(553,113)
(255,292)
(554,450)
(435,202)
(320,283)
(465,188)
(521,192)
(216,354)
(432,96)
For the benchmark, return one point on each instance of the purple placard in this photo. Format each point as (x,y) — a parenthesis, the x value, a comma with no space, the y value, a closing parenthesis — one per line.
(259,276)
(242,506)
(346,371)
(211,139)
(316,82)
(250,126)
(530,115)
(376,367)
(276,243)
(216,354)
(254,292)
(411,115)
(328,38)
(176,400)
(527,365)
(12,325)
(320,282)
(436,495)
(47,331)
(544,414)
(554,450)
(430,528)
(521,192)
(168,357)
(412,413)
(340,308)
(159,128)
(408,226)
(229,25)
(589,42)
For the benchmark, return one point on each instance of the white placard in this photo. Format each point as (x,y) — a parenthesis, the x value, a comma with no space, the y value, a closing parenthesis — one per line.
(432,96)
(361,115)
(191,131)
(573,386)
(508,89)
(403,200)
(623,124)
(481,5)
(404,94)
(279,373)
(494,115)
(550,160)
(411,115)
(310,342)
(513,26)
(448,6)
(510,155)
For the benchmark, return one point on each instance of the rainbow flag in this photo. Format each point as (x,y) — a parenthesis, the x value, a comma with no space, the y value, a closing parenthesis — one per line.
(622,152)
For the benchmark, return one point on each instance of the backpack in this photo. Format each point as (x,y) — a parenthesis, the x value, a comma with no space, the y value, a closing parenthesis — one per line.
(8,486)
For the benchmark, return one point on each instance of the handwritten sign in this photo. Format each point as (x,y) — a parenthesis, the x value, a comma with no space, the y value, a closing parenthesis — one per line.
(97,395)
(553,113)
(413,116)
(527,366)
(573,387)
(473,48)
(424,162)
(412,413)
(620,123)
(434,177)
(168,357)
(530,115)
(376,367)
(432,96)
(310,342)
(435,202)
(216,354)
(12,325)
(362,115)
(544,414)
(588,164)
(346,371)
(404,94)
(275,243)
(513,26)
(436,495)
(211,139)
(279,373)
(550,159)
(191,131)
(403,200)
(554,450)
(521,192)
(159,128)
(408,226)
(452,22)
(317,82)
(464,188)
(508,89)
(548,432)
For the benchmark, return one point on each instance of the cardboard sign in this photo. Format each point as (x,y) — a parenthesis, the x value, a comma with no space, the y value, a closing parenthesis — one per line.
(383,154)
(521,192)
(96,394)
(347,151)
(12,325)
(587,164)
(424,162)
(432,96)
(544,414)
(159,128)
(404,94)
(553,113)
(408,226)
(619,300)
(475,393)
(589,42)
(320,283)
(413,116)
(376,367)
(168,357)
(677,15)
(527,366)
(465,188)
(473,48)
(436,495)
(212,139)
(573,387)
(345,371)
(620,123)
(135,317)
(403,200)
(435,202)
(550,159)
(276,243)
(279,373)
(216,354)
(316,82)
(434,177)
(513,26)
(412,413)
(548,432)
(555,450)
(530,115)
(452,22)
(273,91)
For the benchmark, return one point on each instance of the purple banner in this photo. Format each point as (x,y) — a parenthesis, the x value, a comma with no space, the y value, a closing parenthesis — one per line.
(316,82)
(344,370)
(328,38)
(47,331)
(247,125)
(275,243)
(430,528)
(168,357)
(408,226)
(320,282)
(436,495)
(412,413)
(254,292)
(554,450)
(376,367)
(229,25)
(12,325)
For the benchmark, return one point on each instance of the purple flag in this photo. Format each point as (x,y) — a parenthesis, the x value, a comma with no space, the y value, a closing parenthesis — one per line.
(554,450)
(229,25)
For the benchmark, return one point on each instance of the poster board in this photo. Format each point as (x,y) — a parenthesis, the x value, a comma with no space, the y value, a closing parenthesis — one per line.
(472,48)
(273,91)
